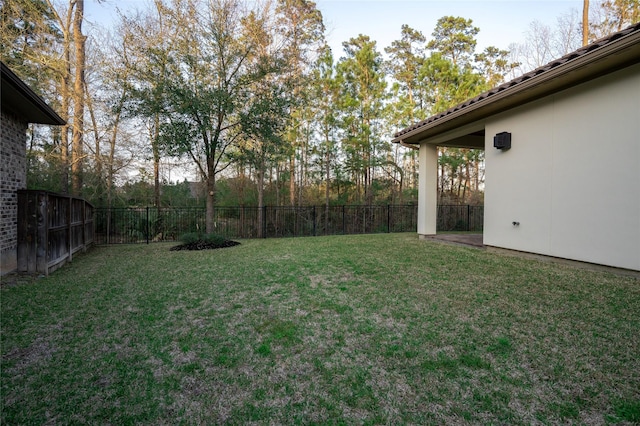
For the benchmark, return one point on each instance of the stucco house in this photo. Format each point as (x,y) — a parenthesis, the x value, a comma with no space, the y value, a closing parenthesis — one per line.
(20,106)
(562,156)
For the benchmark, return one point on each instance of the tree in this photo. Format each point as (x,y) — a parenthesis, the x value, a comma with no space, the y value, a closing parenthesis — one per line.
(64,77)
(494,65)
(454,38)
(28,43)
(301,27)
(609,16)
(326,92)
(264,117)
(544,43)
(206,92)
(37,39)
(448,84)
(585,22)
(71,67)
(119,132)
(77,143)
(406,57)
(410,101)
(363,85)
(148,43)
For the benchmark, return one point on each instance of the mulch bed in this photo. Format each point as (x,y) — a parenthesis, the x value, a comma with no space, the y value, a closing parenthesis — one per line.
(204,245)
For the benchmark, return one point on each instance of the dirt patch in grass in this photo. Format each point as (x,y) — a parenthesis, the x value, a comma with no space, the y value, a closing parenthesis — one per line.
(205,245)
(15,279)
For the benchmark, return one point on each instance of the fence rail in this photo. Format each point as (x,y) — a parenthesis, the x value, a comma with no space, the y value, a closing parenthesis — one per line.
(51,229)
(150,224)
(460,218)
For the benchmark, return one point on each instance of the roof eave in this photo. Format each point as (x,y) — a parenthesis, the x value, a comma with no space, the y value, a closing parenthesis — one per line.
(19,99)
(622,53)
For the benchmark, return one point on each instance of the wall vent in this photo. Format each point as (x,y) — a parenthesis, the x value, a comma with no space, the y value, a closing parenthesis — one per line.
(502,141)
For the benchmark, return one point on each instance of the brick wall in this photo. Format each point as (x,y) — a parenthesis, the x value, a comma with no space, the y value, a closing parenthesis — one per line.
(13,176)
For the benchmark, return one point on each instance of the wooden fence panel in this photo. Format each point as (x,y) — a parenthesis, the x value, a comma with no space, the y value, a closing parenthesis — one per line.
(51,228)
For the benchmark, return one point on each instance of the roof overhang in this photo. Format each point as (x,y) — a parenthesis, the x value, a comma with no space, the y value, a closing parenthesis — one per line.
(19,100)
(600,58)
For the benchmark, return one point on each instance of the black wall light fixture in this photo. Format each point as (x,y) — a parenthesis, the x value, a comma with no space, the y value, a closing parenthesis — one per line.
(502,141)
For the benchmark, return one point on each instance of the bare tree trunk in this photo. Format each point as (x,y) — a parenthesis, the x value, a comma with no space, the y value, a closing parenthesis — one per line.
(278,183)
(292,179)
(97,155)
(111,165)
(78,100)
(242,177)
(467,179)
(327,165)
(96,135)
(66,104)
(301,172)
(476,173)
(64,133)
(585,22)
(401,194)
(260,178)
(156,160)
(111,168)
(303,167)
(65,83)
(211,198)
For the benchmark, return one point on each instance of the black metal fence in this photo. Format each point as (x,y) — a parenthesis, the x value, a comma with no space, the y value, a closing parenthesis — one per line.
(460,218)
(150,224)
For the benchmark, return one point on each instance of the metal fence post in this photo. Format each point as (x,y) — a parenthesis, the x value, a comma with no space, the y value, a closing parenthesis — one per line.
(314,221)
(264,221)
(388,218)
(147,227)
(69,231)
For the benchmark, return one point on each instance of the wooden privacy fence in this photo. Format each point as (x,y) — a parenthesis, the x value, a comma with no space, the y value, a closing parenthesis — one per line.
(51,229)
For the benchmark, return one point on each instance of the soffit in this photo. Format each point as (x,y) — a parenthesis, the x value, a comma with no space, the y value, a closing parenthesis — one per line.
(19,100)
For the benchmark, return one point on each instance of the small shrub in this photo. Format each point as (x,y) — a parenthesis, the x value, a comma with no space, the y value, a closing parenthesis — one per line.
(198,241)
(194,237)
(190,237)
(213,239)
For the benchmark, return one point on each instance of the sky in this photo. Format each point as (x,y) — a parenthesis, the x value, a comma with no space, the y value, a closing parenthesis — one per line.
(501,22)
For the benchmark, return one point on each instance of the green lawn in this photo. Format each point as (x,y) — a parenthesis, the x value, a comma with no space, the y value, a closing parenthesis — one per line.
(367,329)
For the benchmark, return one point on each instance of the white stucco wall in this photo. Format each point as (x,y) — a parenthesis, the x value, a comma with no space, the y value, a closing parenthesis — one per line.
(428,189)
(572,176)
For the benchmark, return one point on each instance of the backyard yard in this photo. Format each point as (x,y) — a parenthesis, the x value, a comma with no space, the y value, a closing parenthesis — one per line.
(359,329)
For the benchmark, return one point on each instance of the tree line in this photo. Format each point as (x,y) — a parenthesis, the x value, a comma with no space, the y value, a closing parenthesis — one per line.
(250,97)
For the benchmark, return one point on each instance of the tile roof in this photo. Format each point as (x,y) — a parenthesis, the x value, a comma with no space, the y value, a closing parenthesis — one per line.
(583,52)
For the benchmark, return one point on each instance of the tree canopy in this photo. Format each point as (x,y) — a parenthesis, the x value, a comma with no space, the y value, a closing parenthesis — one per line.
(247,101)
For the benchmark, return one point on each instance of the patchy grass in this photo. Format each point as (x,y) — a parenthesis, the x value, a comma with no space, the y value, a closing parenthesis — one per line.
(375,329)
